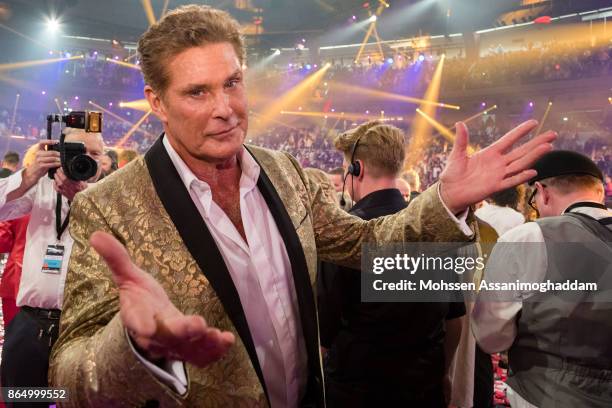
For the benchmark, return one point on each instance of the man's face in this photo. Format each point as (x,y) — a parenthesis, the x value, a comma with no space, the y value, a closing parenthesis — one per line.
(106,163)
(336,180)
(204,108)
(94,148)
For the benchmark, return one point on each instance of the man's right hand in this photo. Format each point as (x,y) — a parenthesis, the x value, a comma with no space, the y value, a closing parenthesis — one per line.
(44,161)
(156,326)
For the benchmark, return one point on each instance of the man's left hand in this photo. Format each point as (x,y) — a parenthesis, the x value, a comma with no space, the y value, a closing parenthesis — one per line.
(67,187)
(467,180)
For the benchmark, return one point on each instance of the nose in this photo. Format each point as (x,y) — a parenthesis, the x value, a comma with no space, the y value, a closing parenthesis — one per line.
(222,106)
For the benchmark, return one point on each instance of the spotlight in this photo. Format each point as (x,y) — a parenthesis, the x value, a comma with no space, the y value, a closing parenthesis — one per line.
(389,61)
(483,104)
(421,57)
(531,104)
(565,119)
(277,52)
(308,67)
(44,92)
(53,25)
(373,18)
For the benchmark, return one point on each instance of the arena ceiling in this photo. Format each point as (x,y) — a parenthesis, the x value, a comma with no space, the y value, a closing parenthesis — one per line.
(284,21)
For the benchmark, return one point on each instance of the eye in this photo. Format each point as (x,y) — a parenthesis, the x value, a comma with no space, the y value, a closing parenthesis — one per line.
(197,92)
(233,82)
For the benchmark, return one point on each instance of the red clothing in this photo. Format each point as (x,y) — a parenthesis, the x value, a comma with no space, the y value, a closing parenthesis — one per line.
(12,240)
(9,310)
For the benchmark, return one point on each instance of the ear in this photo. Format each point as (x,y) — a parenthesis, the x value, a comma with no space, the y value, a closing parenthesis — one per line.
(362,170)
(156,104)
(545,193)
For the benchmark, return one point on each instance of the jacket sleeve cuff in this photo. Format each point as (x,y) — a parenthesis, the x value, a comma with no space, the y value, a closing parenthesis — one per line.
(460,220)
(171,372)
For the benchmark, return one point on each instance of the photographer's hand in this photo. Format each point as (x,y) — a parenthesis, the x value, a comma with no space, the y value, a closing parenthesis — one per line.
(43,162)
(67,187)
(157,327)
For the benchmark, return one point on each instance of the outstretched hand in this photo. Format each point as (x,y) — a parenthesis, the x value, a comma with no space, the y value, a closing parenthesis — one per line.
(157,327)
(467,180)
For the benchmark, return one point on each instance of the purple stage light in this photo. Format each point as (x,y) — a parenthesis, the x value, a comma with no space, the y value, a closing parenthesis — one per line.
(483,104)
(531,104)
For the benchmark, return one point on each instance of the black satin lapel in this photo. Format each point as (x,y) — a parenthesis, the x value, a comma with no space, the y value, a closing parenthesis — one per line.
(198,240)
(302,284)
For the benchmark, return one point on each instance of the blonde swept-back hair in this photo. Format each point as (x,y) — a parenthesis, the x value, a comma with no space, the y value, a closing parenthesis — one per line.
(380,146)
(180,29)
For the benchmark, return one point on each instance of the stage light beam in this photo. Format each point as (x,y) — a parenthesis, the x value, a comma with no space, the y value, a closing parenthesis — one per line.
(134,127)
(374,93)
(421,126)
(294,94)
(140,104)
(119,118)
(27,64)
(123,64)
(539,129)
(148,8)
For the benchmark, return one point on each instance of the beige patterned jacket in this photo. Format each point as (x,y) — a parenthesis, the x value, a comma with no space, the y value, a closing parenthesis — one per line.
(92,357)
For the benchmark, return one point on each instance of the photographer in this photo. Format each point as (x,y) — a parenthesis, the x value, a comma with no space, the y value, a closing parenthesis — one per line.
(31,334)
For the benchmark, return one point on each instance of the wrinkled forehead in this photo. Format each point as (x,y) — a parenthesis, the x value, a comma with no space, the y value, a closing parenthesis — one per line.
(80,135)
(208,64)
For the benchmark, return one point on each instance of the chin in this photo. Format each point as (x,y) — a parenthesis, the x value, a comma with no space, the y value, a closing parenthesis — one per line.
(220,152)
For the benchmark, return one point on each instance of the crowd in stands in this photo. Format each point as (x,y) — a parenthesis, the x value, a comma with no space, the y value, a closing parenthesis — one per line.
(313,145)
(551,62)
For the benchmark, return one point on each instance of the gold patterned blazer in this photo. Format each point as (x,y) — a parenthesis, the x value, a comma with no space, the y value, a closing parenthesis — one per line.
(146,206)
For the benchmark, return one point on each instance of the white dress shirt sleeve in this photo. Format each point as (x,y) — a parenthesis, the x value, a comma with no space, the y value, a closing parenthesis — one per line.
(460,220)
(19,207)
(494,323)
(172,373)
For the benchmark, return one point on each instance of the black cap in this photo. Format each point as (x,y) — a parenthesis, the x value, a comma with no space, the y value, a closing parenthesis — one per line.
(562,163)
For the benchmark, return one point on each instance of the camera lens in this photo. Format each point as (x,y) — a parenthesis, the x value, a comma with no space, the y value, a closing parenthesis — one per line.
(82,168)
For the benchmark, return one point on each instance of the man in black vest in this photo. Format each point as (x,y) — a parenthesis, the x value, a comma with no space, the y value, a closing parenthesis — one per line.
(380,353)
(560,344)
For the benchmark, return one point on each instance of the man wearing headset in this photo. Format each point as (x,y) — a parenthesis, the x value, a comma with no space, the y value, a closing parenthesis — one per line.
(379,351)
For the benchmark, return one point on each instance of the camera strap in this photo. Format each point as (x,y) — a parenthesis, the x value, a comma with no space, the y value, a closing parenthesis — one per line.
(60,226)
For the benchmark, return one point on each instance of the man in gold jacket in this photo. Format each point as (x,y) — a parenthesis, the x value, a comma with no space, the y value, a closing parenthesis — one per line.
(191,276)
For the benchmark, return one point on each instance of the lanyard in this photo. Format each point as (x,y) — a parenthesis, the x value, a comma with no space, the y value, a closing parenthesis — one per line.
(60,226)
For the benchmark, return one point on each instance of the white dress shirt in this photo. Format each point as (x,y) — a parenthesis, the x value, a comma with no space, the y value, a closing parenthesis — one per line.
(36,288)
(502,219)
(494,323)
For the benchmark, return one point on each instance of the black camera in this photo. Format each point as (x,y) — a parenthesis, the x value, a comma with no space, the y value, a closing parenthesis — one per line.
(77,165)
